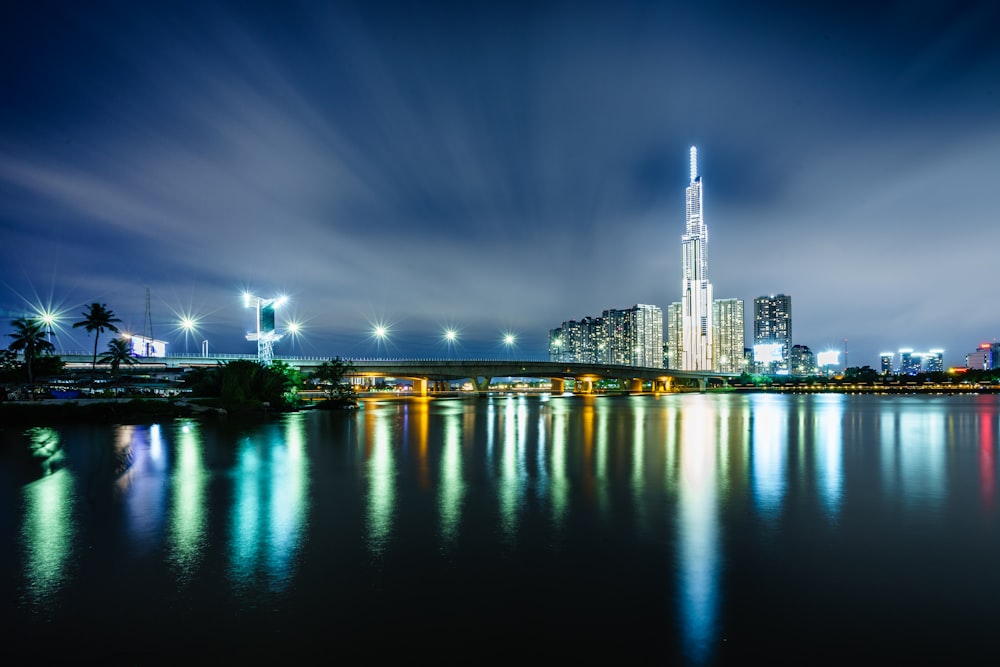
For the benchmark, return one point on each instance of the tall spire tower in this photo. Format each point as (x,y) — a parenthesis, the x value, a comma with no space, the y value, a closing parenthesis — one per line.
(696,291)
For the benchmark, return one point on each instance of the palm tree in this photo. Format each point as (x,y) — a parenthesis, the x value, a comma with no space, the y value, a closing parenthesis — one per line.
(97,318)
(119,352)
(30,339)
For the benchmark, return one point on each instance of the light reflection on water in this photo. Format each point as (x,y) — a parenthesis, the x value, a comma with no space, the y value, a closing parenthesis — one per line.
(705,482)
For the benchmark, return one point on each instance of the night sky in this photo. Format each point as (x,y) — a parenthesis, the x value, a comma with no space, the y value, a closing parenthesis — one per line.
(501,167)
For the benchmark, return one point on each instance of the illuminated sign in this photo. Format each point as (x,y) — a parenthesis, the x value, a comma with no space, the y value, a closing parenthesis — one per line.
(266,317)
(143,346)
(767,353)
(831,358)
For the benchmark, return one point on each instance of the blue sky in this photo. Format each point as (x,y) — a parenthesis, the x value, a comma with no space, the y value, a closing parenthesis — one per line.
(499,167)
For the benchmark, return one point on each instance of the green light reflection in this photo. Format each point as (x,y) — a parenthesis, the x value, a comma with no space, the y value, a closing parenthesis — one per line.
(186,537)
(381,475)
(48,529)
(452,485)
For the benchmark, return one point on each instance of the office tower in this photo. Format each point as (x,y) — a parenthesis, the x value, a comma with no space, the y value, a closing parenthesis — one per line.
(728,338)
(909,363)
(674,357)
(933,361)
(886,358)
(696,290)
(772,332)
(802,361)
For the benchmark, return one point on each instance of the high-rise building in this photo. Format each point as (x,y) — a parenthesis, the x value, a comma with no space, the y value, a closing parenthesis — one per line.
(802,361)
(728,338)
(933,361)
(674,357)
(886,359)
(909,363)
(696,290)
(772,332)
(630,337)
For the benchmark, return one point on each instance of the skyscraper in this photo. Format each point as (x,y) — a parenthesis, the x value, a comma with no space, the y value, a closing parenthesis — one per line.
(674,356)
(696,291)
(772,332)
(727,316)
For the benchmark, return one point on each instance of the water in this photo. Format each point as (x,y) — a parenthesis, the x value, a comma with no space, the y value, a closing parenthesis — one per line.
(681,529)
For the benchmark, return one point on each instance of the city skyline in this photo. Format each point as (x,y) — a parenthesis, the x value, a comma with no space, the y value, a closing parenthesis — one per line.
(494,169)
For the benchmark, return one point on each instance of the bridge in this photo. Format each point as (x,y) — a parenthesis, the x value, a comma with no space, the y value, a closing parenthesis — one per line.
(436,374)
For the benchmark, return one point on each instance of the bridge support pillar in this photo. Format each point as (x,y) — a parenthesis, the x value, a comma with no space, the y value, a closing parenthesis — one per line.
(636,385)
(482,384)
(586,386)
(558,385)
(702,385)
(420,386)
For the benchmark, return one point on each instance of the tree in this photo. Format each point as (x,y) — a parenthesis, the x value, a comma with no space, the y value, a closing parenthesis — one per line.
(29,339)
(97,318)
(119,352)
(241,384)
(330,374)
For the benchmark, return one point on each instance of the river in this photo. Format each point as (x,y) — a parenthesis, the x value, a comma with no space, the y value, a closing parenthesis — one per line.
(691,529)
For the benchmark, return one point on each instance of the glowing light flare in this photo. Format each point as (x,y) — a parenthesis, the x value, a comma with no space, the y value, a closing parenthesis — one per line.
(450,335)
(828,358)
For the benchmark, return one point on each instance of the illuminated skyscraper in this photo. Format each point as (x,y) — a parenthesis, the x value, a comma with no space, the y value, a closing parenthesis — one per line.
(696,291)
(728,338)
(772,332)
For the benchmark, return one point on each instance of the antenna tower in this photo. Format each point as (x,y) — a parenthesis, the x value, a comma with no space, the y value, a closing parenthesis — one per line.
(147,324)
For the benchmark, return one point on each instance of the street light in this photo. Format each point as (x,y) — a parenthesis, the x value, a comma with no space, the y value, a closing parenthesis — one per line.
(293,328)
(509,340)
(450,336)
(188,324)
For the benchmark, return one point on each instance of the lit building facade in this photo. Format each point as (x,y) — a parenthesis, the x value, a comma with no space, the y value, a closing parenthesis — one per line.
(772,325)
(986,358)
(728,337)
(696,290)
(674,356)
(802,361)
(629,337)
(886,359)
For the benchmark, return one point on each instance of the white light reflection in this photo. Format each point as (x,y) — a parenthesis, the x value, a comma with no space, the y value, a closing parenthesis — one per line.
(914,465)
(698,528)
(770,438)
(511,467)
(289,477)
(829,443)
(381,474)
